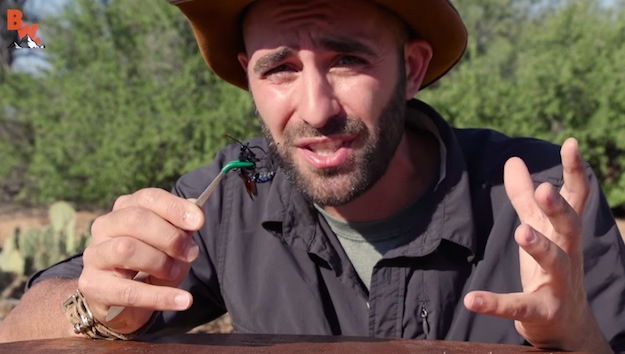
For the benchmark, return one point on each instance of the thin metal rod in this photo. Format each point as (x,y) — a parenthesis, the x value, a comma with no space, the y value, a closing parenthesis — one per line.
(210,189)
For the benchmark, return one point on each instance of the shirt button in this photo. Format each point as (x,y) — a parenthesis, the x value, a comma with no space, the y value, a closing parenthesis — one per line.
(368,306)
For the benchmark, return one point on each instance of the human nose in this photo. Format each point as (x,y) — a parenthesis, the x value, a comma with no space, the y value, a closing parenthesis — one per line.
(318,102)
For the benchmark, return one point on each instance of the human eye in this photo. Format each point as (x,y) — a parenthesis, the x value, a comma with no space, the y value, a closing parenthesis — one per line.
(350,60)
(278,70)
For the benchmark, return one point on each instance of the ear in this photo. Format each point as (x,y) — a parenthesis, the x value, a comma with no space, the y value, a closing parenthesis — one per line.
(417,56)
(242,57)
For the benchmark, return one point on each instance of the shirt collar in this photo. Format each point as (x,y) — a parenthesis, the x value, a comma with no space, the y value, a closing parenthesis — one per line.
(452,218)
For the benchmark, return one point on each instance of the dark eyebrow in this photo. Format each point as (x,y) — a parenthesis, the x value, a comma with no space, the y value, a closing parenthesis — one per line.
(339,45)
(270,60)
(346,45)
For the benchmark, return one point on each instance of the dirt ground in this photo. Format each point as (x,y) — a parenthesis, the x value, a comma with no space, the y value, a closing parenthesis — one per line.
(621,226)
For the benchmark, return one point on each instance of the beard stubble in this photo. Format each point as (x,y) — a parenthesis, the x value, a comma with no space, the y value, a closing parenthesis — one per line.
(369,162)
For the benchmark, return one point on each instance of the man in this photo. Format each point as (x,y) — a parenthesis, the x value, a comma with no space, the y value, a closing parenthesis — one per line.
(381,220)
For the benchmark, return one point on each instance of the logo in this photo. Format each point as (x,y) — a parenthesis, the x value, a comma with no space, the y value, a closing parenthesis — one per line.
(27,34)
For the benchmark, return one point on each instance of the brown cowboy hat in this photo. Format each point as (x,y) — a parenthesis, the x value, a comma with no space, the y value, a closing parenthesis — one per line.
(217,28)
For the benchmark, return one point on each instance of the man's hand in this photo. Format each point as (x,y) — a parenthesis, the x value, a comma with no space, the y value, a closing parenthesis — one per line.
(147,231)
(552,311)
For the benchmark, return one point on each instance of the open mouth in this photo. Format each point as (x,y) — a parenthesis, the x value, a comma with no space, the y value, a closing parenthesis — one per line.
(326,152)
(326,148)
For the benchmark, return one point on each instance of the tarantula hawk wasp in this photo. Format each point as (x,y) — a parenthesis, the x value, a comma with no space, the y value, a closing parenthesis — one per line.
(252,175)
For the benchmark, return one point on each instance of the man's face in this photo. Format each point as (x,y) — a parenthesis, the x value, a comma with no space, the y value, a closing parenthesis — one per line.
(327,78)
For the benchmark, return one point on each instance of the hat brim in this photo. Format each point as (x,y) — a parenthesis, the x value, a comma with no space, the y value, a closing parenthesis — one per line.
(217,29)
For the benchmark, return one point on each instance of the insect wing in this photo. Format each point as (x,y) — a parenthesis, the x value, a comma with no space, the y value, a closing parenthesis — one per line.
(250,186)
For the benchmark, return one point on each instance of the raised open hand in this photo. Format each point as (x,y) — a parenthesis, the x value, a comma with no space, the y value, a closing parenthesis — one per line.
(552,311)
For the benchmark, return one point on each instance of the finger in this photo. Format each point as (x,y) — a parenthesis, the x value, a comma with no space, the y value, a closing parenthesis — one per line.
(125,253)
(178,211)
(148,227)
(551,258)
(113,291)
(576,186)
(520,190)
(563,218)
(516,306)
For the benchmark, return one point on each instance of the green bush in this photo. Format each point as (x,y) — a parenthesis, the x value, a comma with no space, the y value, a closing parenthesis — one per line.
(128,103)
(550,74)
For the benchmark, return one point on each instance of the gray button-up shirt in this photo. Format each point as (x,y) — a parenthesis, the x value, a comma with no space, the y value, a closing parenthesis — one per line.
(275,265)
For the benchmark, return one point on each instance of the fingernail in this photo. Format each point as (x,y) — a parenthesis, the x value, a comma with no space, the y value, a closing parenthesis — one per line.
(478,301)
(192,252)
(175,271)
(531,238)
(181,301)
(192,219)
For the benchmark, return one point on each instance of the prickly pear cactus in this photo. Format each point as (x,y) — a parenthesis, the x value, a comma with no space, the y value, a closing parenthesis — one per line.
(29,243)
(11,261)
(52,249)
(63,218)
(40,248)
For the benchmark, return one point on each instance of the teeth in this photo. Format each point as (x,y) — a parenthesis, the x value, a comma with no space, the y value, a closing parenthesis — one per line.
(327,148)
(324,152)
